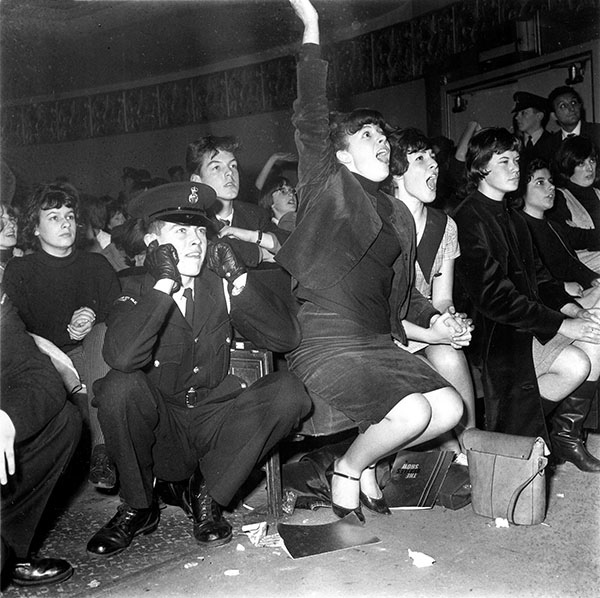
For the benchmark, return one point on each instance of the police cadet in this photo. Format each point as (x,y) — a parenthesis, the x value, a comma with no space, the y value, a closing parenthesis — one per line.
(168,407)
(531,114)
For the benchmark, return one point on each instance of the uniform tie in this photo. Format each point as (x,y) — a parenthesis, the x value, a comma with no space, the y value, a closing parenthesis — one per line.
(529,144)
(189,306)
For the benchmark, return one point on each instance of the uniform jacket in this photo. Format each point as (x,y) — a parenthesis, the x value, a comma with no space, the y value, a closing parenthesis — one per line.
(147,331)
(544,148)
(337,220)
(516,299)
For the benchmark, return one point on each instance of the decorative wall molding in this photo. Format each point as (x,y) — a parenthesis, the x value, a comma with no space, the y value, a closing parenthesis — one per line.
(389,56)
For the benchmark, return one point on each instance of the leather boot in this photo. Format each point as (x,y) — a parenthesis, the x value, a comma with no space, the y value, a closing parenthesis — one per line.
(566,436)
(210,527)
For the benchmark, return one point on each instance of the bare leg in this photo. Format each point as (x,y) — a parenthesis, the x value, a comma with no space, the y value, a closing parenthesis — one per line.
(452,364)
(567,372)
(415,419)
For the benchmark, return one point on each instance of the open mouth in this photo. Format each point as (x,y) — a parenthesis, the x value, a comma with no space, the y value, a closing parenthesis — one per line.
(383,155)
(432,183)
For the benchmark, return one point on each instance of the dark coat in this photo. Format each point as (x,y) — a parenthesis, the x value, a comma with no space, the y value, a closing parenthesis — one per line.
(544,148)
(32,390)
(147,331)
(337,220)
(589,130)
(252,217)
(516,299)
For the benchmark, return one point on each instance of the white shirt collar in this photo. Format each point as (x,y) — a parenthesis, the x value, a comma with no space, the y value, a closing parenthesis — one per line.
(575,131)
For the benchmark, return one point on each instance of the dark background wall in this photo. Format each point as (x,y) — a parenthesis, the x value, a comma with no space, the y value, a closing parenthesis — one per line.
(408,70)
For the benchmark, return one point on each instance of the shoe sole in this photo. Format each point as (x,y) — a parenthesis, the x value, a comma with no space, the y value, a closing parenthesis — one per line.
(45,582)
(144,531)
(103,485)
(220,542)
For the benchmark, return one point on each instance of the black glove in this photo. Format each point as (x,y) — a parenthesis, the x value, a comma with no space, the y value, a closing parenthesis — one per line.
(223,261)
(161,262)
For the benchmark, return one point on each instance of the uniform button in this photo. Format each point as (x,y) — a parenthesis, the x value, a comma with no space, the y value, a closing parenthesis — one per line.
(196,370)
(196,340)
(227,340)
(243,385)
(156,363)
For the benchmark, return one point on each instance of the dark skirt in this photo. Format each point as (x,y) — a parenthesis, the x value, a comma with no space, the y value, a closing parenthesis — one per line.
(361,373)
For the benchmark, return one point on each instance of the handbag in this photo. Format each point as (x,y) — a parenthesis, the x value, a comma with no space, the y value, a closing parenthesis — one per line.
(507,475)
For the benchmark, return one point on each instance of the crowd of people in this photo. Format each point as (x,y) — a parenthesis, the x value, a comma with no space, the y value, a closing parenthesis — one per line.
(384,268)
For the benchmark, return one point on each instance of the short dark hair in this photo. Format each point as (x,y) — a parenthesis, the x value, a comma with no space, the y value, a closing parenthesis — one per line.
(208,146)
(46,197)
(344,124)
(517,199)
(404,142)
(266,196)
(572,152)
(129,236)
(482,146)
(562,90)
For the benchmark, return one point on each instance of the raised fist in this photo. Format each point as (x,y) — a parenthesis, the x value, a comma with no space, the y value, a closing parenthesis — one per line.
(161,262)
(223,261)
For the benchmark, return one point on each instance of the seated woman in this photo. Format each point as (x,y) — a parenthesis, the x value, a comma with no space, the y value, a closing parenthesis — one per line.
(541,351)
(279,198)
(352,254)
(62,294)
(577,204)
(535,197)
(8,236)
(414,176)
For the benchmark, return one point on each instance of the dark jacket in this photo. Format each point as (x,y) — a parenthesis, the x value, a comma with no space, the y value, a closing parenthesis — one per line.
(252,217)
(544,148)
(516,299)
(552,243)
(589,130)
(147,331)
(337,220)
(32,390)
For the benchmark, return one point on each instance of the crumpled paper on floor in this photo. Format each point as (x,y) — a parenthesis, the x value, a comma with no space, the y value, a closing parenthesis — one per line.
(257,533)
(420,559)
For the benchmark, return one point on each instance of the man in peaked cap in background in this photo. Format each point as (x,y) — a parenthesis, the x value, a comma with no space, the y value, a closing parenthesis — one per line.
(168,407)
(531,116)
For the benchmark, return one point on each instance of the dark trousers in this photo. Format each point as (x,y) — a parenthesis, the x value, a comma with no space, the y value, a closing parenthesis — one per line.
(149,435)
(39,460)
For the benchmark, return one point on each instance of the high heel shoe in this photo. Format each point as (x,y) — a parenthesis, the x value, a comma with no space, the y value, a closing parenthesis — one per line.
(377,505)
(338,510)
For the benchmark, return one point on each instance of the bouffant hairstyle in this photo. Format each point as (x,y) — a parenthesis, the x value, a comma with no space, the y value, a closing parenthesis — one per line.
(528,169)
(45,197)
(344,124)
(573,151)
(404,142)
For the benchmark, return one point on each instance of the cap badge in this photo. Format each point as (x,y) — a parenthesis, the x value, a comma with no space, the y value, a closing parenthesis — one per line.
(193,197)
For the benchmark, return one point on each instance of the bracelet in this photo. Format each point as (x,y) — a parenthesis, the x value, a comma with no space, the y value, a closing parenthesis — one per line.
(259,239)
